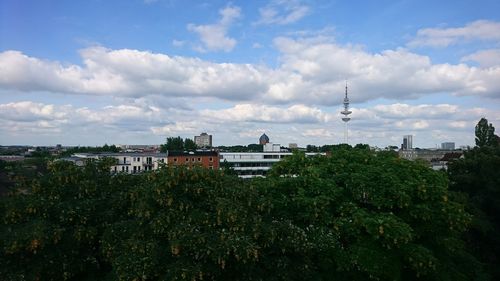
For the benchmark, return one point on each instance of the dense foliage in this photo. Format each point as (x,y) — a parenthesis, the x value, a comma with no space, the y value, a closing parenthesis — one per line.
(178,144)
(242,148)
(354,215)
(477,177)
(91,149)
(485,134)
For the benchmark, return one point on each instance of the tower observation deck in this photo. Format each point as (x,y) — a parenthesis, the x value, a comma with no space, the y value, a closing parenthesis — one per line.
(346,112)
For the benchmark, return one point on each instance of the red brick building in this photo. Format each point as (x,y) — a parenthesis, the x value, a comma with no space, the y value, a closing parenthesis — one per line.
(206,159)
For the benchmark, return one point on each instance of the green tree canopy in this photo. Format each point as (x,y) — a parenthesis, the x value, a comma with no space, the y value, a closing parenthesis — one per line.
(477,177)
(485,134)
(189,144)
(178,144)
(356,215)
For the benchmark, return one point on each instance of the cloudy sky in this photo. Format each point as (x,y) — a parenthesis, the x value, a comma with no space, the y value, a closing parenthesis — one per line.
(137,71)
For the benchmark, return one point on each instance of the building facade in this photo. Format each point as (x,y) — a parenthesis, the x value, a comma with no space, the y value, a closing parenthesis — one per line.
(129,163)
(448,145)
(407,142)
(206,159)
(203,140)
(254,164)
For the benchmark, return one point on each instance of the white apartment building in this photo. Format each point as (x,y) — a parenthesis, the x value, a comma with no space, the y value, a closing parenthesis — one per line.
(254,164)
(130,163)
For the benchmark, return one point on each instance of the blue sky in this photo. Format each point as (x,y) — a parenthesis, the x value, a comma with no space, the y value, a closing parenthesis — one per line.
(128,72)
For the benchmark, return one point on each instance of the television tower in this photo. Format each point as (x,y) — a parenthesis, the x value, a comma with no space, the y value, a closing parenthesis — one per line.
(346,113)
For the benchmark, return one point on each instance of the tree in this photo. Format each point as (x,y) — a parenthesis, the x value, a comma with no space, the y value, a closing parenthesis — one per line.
(178,144)
(312,148)
(476,178)
(189,144)
(369,215)
(355,215)
(51,228)
(485,134)
(174,144)
(255,147)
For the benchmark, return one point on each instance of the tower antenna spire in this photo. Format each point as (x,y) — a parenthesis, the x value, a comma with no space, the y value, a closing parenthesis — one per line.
(346,113)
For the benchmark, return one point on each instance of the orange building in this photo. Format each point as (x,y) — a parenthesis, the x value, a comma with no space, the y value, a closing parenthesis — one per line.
(206,159)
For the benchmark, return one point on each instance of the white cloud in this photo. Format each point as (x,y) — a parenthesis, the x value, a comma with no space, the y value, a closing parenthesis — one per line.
(399,110)
(282,12)
(317,133)
(483,30)
(311,71)
(256,45)
(176,128)
(485,58)
(214,36)
(132,73)
(178,43)
(240,124)
(319,69)
(263,113)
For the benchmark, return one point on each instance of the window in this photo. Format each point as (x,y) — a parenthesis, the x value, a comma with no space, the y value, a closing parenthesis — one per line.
(175,159)
(270,156)
(210,159)
(123,168)
(126,168)
(187,159)
(192,159)
(124,160)
(139,168)
(199,159)
(135,168)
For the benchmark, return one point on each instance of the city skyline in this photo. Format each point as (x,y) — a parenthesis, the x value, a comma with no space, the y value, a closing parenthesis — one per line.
(128,72)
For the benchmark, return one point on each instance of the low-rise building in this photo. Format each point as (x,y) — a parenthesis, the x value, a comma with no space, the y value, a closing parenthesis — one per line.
(442,164)
(130,163)
(11,158)
(254,164)
(206,159)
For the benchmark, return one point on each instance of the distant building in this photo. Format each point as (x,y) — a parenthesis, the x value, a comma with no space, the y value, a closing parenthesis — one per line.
(140,147)
(448,145)
(272,147)
(293,146)
(206,159)
(429,155)
(11,158)
(255,164)
(263,139)
(407,142)
(203,140)
(129,163)
(442,164)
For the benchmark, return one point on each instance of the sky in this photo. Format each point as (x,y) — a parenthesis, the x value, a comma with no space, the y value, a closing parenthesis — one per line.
(139,71)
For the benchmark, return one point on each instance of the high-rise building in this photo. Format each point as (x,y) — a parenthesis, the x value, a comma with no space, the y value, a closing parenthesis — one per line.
(263,139)
(407,142)
(448,145)
(203,140)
